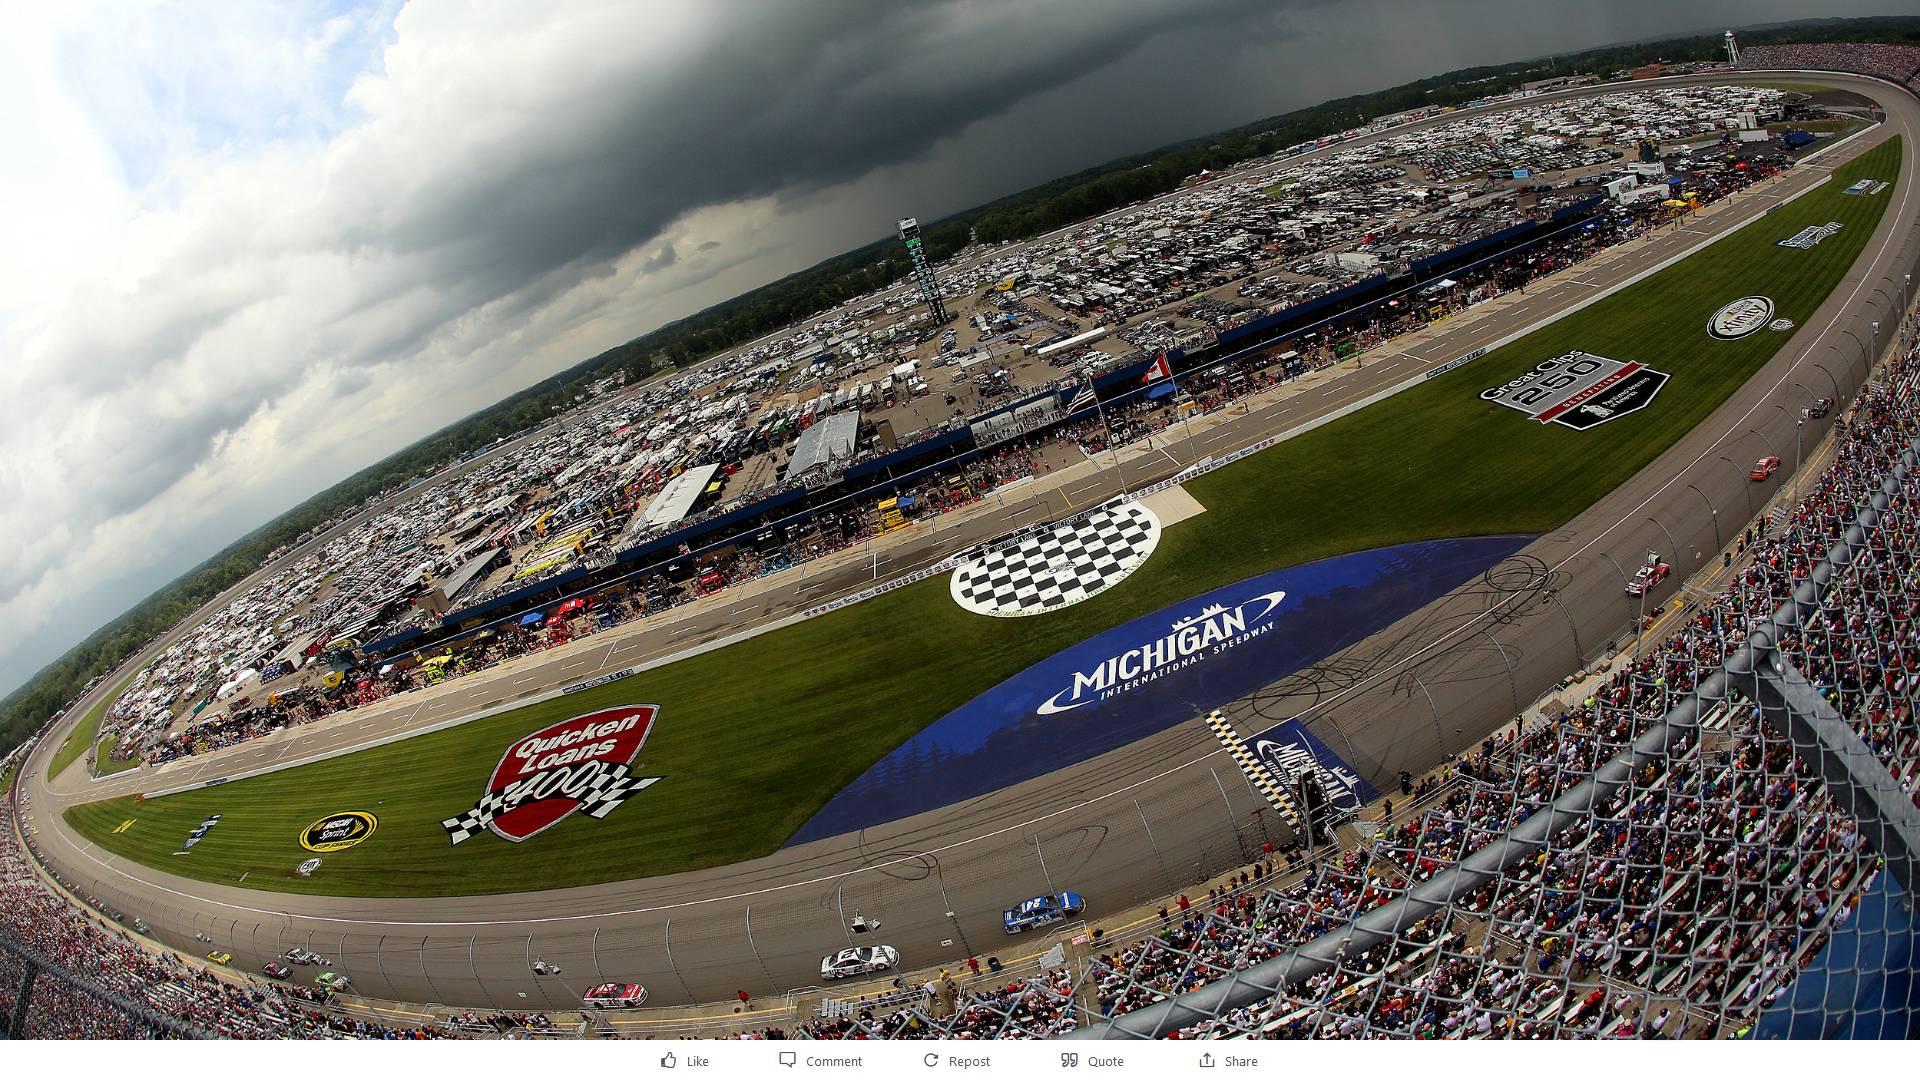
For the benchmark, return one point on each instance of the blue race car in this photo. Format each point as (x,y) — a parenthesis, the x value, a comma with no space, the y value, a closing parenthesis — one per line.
(1042,910)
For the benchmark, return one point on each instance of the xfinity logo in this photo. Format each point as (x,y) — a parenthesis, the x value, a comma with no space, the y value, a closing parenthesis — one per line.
(1740,318)
(1214,630)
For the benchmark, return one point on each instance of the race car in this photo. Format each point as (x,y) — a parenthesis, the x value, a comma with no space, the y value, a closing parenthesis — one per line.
(220,956)
(274,969)
(303,956)
(1650,574)
(1764,468)
(860,961)
(1042,910)
(615,996)
(331,980)
(1820,408)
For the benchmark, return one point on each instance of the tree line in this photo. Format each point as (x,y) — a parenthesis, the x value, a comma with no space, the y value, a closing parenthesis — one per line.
(827,284)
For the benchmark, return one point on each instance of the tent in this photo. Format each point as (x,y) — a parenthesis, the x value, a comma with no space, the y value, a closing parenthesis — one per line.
(570,606)
(1160,391)
(531,618)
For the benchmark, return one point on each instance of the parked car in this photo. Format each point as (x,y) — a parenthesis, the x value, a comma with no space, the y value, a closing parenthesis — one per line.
(615,996)
(1041,910)
(859,961)
(1764,468)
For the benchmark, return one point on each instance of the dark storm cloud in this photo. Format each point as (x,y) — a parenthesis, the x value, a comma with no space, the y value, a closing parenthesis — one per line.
(765,99)
(507,184)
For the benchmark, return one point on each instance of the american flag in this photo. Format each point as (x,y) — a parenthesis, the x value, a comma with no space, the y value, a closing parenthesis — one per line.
(1082,397)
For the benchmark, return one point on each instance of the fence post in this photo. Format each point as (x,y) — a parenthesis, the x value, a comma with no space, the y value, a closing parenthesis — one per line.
(424,973)
(380,961)
(1043,863)
(1512,687)
(756,953)
(475,969)
(1228,805)
(676,967)
(17,1024)
(1151,842)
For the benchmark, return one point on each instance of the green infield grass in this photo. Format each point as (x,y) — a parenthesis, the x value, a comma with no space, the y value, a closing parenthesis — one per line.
(83,733)
(104,763)
(753,739)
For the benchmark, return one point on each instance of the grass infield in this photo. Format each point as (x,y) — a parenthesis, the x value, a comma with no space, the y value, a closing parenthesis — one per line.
(104,762)
(83,733)
(753,739)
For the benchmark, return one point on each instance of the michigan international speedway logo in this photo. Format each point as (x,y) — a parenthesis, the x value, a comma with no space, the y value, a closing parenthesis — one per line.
(582,763)
(1160,670)
(1213,630)
(1580,390)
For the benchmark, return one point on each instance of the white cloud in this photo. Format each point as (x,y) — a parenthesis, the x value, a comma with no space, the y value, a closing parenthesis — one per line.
(252,247)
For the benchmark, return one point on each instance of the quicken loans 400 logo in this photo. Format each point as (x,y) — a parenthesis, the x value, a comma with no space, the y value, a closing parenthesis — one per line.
(1216,629)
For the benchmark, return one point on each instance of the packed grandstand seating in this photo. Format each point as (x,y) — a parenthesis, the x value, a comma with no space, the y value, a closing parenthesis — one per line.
(1122,424)
(47,924)
(1899,63)
(1683,905)
(1691,900)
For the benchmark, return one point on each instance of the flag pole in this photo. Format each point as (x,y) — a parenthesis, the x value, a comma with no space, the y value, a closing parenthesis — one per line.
(1118,471)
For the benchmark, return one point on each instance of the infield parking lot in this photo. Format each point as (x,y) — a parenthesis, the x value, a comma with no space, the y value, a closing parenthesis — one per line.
(752,740)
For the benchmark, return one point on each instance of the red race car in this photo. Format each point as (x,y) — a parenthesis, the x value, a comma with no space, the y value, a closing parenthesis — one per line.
(615,996)
(1650,574)
(1764,468)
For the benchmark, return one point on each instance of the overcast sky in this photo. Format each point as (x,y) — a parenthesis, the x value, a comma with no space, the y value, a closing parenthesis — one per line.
(246,250)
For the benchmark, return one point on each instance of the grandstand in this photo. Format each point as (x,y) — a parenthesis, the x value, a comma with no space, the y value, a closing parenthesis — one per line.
(1718,837)
(1669,858)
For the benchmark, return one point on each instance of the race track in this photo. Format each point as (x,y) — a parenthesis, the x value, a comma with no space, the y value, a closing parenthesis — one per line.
(1136,823)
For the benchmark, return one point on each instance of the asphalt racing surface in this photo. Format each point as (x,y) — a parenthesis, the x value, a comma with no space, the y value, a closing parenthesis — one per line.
(1143,821)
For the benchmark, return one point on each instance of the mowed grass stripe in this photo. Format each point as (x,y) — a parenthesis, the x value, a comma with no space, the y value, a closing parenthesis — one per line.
(753,739)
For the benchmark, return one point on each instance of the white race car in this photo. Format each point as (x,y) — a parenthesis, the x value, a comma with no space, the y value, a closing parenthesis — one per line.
(860,961)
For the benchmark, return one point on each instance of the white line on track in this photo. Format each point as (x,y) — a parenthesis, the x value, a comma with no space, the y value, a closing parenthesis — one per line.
(1739,423)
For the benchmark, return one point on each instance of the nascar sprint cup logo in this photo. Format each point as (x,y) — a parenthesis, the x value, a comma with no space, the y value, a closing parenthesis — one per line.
(577,764)
(1740,318)
(1212,631)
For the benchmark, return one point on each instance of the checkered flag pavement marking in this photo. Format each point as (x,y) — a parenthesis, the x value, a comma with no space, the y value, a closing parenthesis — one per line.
(475,820)
(609,789)
(1061,566)
(1250,764)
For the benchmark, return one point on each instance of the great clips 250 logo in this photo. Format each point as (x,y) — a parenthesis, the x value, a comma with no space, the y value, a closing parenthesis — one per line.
(1579,390)
(581,764)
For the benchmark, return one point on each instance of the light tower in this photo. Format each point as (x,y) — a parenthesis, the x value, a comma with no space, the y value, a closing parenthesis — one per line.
(922,273)
(1733,50)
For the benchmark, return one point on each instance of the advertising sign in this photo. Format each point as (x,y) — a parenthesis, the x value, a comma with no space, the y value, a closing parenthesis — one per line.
(581,763)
